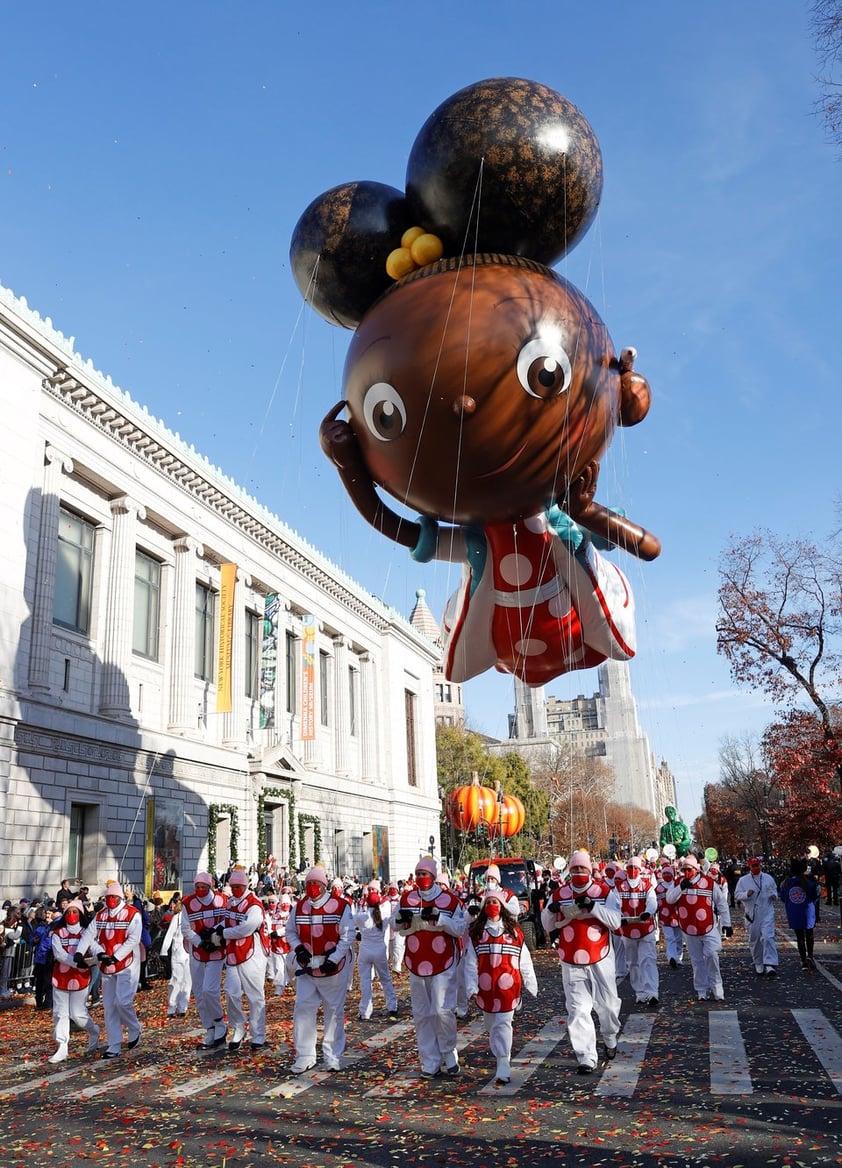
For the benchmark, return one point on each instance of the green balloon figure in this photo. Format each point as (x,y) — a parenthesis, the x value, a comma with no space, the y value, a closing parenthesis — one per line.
(676,832)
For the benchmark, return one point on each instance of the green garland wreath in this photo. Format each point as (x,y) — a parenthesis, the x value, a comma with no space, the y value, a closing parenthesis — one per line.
(215,812)
(314,820)
(279,793)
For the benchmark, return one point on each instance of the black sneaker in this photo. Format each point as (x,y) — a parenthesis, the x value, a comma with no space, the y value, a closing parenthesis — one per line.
(673,963)
(133,1043)
(452,1071)
(585,1069)
(432,1074)
(257,1045)
(610,1052)
(393,1015)
(653,1003)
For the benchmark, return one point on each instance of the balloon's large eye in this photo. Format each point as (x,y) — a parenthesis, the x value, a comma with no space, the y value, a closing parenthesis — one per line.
(543,368)
(384,411)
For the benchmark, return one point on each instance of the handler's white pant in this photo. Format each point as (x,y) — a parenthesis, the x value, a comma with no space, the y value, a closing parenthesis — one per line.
(704,954)
(621,965)
(179,998)
(206,977)
(434,1014)
(500,1031)
(587,989)
(673,943)
(329,993)
(642,960)
(397,945)
(118,993)
(67,1005)
(369,964)
(761,937)
(248,979)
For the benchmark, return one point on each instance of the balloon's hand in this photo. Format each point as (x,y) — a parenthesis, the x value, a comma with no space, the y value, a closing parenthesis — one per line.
(339,442)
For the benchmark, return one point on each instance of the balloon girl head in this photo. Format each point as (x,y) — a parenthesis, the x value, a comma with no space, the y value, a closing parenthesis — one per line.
(481,388)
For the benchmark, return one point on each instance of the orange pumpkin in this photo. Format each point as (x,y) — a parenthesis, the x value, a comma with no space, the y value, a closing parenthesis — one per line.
(510,817)
(467,806)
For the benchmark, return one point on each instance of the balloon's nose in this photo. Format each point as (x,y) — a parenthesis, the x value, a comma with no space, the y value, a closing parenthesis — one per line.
(464,405)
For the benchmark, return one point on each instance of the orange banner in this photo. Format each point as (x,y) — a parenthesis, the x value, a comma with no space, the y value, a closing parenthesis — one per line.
(308,678)
(227,582)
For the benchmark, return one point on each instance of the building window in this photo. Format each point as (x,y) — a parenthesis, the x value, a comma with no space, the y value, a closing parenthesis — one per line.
(147,606)
(80,817)
(205,614)
(292,694)
(410,702)
(74,573)
(353,699)
(324,675)
(253,630)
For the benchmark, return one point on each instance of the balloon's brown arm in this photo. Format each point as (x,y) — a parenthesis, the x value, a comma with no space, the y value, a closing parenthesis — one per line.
(602,521)
(339,443)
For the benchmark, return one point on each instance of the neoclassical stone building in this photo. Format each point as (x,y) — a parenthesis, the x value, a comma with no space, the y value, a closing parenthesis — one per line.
(140,586)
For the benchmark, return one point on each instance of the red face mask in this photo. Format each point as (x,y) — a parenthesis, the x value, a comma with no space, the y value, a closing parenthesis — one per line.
(424,880)
(492,909)
(202,889)
(72,916)
(755,869)
(580,881)
(313,889)
(112,901)
(374,898)
(238,890)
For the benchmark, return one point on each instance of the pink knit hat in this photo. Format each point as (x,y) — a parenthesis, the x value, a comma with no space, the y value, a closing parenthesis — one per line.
(112,888)
(427,864)
(316,873)
(493,871)
(495,894)
(581,859)
(77,904)
(204,878)
(238,877)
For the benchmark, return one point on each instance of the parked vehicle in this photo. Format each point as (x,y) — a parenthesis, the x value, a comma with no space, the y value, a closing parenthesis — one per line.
(517,875)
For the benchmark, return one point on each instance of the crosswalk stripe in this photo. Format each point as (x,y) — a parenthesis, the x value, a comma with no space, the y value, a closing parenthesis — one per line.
(408,1080)
(620,1076)
(529,1059)
(42,1082)
(729,1074)
(291,1087)
(825,1042)
(119,1081)
(194,1086)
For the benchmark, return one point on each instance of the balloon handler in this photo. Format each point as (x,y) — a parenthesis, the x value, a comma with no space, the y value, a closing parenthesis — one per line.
(482,389)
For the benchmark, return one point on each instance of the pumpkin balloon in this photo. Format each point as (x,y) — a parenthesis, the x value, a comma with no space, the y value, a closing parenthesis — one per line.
(511,815)
(468,806)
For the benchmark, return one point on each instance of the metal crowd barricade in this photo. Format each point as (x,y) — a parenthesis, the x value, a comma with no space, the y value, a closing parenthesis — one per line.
(22,971)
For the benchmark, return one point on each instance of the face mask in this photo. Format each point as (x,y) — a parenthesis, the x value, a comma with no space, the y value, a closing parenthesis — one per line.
(238,890)
(72,917)
(111,902)
(492,884)
(755,869)
(492,909)
(579,882)
(202,890)
(313,889)
(634,877)
(374,898)
(424,880)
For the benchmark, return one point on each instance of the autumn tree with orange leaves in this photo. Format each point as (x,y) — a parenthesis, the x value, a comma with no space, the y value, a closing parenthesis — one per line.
(780,630)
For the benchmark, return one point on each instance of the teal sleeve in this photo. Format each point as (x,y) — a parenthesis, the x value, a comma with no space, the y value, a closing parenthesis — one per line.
(428,540)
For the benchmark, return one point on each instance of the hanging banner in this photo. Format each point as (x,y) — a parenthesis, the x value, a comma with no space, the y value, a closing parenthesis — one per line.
(308,678)
(269,661)
(225,648)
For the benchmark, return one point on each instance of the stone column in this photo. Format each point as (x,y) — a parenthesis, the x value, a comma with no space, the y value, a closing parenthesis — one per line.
(340,690)
(368,717)
(117,642)
(182,706)
(55,464)
(234,722)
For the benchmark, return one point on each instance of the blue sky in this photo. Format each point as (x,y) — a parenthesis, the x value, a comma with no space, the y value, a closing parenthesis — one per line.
(155,158)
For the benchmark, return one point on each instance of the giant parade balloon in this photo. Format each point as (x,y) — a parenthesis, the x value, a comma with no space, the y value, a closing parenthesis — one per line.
(481,389)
